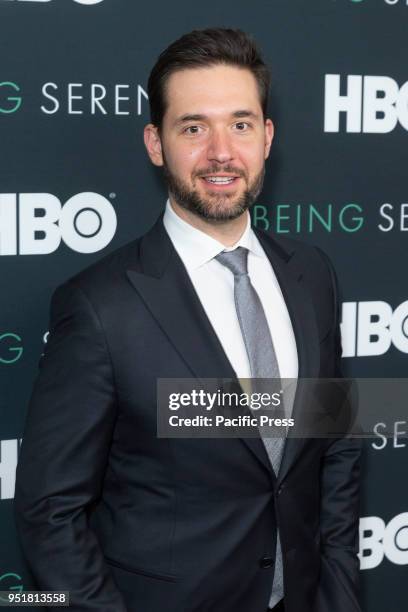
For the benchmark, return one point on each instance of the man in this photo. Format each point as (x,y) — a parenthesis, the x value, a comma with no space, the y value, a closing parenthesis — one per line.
(127,521)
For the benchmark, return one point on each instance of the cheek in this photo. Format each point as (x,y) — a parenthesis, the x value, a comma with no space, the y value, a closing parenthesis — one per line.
(251,151)
(183,160)
(253,159)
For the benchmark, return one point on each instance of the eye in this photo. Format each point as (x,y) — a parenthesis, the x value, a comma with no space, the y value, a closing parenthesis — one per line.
(242,126)
(192,130)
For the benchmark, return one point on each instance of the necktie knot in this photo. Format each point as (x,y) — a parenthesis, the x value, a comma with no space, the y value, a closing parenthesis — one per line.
(236,261)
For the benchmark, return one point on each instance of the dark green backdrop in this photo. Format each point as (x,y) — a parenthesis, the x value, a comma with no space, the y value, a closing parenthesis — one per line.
(327,187)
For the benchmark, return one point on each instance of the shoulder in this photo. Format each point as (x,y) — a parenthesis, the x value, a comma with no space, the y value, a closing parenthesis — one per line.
(101,281)
(110,269)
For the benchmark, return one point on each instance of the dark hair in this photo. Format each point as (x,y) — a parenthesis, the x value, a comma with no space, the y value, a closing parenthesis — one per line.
(200,49)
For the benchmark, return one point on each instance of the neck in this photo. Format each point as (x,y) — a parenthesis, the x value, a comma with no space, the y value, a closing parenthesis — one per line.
(227,232)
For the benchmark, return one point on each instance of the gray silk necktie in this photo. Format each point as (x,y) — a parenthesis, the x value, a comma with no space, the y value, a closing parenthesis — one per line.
(262,360)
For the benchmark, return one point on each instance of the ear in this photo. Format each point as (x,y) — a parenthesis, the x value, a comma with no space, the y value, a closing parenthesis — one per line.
(269,133)
(153,144)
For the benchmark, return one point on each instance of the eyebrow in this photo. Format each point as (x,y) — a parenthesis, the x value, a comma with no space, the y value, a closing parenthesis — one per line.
(238,114)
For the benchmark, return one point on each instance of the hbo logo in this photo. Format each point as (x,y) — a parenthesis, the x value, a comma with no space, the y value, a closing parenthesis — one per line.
(378,540)
(369,328)
(373,104)
(86,223)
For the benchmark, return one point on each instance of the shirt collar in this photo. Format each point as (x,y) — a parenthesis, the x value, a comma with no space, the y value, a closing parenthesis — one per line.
(197,248)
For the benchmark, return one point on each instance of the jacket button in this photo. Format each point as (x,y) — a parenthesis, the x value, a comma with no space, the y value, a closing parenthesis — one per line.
(266,562)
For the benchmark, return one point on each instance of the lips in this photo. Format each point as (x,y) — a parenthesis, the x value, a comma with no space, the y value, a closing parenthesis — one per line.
(220,180)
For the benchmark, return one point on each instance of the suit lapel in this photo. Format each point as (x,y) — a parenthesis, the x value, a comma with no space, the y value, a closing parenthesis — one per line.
(165,287)
(288,267)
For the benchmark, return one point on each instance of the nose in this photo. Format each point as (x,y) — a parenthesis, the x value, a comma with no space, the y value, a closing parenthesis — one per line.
(220,147)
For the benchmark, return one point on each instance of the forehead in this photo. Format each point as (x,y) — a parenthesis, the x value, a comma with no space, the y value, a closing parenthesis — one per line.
(215,89)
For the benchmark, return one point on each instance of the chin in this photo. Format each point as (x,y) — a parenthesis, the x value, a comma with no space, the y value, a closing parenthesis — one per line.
(222,213)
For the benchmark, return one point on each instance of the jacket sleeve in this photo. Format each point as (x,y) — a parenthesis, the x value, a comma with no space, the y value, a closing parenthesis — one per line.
(338,589)
(63,457)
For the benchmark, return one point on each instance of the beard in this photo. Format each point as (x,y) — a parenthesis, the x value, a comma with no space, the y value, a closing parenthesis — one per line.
(216,207)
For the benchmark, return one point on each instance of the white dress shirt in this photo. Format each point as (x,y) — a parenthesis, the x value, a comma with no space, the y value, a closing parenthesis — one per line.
(214,285)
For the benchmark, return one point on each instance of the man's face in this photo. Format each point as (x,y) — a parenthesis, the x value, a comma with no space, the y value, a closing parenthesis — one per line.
(213,142)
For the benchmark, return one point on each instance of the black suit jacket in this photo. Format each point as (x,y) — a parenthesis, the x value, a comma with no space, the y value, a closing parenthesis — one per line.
(130,522)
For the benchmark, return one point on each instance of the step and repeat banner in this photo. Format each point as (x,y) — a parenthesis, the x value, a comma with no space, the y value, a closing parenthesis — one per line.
(76,184)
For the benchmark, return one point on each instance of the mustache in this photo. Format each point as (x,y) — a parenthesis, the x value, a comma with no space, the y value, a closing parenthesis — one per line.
(215,168)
